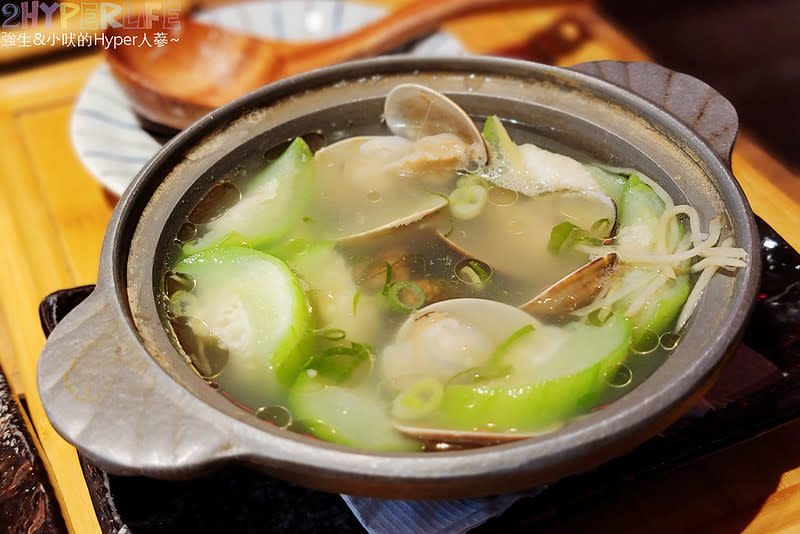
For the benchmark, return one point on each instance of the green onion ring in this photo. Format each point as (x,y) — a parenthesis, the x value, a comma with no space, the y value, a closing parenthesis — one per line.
(396,288)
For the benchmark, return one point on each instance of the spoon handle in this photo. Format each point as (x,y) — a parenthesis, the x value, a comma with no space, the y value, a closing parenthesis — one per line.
(404,24)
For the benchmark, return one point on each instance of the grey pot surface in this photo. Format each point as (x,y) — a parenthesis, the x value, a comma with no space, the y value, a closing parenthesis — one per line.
(113,384)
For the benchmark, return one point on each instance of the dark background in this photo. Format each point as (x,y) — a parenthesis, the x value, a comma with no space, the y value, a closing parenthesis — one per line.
(749,50)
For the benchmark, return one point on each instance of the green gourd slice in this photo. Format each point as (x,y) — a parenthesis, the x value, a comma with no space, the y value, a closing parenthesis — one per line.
(612,184)
(272,202)
(640,209)
(502,149)
(344,415)
(547,383)
(254,304)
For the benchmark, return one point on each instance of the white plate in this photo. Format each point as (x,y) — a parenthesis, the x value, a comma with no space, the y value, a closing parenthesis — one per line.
(107,136)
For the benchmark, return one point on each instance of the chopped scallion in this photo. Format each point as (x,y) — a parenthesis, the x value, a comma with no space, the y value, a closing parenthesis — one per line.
(566,234)
(505,346)
(468,275)
(559,236)
(467,201)
(405,296)
(480,270)
(418,400)
(473,272)
(338,363)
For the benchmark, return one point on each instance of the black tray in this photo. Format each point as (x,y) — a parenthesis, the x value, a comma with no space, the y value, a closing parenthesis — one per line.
(236,499)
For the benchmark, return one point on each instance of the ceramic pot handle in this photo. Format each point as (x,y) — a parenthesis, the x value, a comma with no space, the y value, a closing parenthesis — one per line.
(103,393)
(690,100)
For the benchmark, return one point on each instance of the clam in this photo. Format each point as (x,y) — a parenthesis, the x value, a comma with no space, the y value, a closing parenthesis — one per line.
(574,291)
(513,237)
(447,338)
(370,184)
(475,372)
(534,191)
(360,194)
(413,111)
(464,438)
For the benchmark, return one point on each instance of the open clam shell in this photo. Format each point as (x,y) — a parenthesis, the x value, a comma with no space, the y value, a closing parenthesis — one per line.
(513,237)
(414,111)
(373,181)
(475,371)
(465,438)
(449,337)
(444,340)
(576,290)
(359,192)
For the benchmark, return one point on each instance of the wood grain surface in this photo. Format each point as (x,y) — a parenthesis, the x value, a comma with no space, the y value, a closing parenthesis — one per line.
(53,216)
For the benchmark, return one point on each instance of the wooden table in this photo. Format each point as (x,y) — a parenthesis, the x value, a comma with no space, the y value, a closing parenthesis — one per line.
(53,216)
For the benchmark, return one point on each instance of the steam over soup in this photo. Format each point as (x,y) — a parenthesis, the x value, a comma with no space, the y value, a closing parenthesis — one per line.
(438,288)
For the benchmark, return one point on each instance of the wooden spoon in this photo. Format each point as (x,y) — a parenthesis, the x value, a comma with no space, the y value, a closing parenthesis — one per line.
(202,67)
